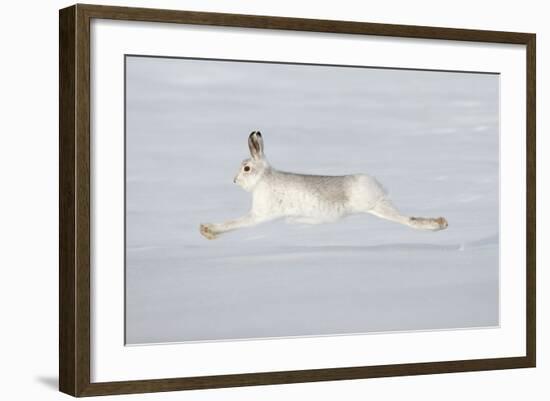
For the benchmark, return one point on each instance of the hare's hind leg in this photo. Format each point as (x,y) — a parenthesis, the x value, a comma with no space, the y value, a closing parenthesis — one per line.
(385,209)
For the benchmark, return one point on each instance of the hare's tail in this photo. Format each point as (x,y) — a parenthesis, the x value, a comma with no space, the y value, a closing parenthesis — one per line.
(386,210)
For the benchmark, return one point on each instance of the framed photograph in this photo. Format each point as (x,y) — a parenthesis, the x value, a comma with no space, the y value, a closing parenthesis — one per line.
(250,200)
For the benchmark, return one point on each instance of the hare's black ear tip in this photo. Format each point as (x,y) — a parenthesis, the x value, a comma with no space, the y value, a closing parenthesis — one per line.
(255,133)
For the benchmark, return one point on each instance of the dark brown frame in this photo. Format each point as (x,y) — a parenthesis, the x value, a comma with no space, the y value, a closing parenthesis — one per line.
(74,199)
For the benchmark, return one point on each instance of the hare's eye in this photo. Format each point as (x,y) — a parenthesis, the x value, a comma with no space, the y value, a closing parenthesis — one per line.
(246,168)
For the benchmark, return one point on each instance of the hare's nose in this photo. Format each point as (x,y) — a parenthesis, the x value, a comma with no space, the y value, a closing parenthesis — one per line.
(235,180)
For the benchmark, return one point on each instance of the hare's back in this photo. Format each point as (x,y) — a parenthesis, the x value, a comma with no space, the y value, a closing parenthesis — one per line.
(345,193)
(332,189)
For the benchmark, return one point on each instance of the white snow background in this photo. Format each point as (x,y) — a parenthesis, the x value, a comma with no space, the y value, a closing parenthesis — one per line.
(431,138)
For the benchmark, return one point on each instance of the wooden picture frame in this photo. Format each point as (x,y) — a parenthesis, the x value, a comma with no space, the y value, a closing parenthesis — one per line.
(74,200)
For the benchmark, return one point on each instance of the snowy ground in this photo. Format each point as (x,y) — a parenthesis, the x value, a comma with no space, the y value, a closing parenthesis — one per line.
(431,138)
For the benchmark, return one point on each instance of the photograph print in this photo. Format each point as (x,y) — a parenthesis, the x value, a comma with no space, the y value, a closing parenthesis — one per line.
(269,200)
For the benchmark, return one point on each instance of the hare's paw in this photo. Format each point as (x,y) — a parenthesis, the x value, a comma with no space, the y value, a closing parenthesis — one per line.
(442,221)
(429,223)
(207,230)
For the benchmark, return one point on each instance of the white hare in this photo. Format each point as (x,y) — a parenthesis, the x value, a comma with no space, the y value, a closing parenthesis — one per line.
(309,199)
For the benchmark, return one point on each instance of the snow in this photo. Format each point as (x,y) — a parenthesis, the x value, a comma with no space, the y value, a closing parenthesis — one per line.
(431,138)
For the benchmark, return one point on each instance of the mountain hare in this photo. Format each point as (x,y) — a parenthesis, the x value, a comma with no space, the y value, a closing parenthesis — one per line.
(310,199)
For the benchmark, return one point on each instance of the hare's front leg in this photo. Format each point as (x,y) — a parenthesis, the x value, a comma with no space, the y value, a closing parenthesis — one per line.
(212,231)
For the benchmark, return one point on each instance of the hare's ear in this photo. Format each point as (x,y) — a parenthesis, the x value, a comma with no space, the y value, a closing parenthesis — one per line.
(256,145)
